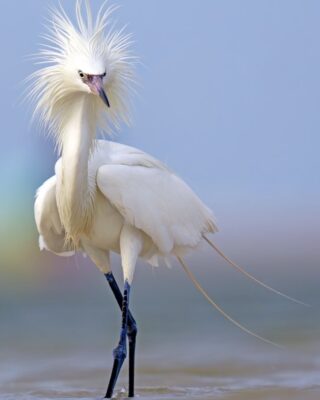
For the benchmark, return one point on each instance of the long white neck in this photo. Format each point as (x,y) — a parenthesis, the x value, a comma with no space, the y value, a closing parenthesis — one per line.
(73,195)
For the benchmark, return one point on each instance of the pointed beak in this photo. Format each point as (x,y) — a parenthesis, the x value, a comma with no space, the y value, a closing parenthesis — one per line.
(95,83)
(104,97)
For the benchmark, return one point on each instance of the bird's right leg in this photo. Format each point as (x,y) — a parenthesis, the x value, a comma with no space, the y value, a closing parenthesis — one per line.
(132,330)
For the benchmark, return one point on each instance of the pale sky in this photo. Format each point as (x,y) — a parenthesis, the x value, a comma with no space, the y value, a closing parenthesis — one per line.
(229,99)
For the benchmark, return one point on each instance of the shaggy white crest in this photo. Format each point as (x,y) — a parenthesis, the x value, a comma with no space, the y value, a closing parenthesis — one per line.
(84,46)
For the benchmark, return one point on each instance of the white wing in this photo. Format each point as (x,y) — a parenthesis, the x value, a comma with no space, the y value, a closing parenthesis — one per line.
(153,199)
(51,232)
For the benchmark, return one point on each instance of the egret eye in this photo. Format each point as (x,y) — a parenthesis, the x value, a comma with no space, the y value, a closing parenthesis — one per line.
(81,74)
(104,74)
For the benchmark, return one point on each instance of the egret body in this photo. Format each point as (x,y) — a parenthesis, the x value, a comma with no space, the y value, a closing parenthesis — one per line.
(106,197)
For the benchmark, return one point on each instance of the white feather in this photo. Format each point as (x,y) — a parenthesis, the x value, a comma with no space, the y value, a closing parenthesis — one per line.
(51,231)
(157,202)
(139,191)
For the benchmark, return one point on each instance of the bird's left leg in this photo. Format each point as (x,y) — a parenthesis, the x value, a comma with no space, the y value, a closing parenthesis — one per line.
(130,248)
(132,330)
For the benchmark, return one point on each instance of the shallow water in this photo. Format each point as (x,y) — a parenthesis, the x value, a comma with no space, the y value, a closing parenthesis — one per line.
(264,377)
(57,344)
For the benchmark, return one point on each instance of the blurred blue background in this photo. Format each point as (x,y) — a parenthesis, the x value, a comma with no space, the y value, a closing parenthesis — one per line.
(229,99)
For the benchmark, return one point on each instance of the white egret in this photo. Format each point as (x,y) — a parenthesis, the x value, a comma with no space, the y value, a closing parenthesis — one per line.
(107,197)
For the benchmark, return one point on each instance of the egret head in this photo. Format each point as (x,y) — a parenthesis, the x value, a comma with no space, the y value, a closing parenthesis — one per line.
(83,59)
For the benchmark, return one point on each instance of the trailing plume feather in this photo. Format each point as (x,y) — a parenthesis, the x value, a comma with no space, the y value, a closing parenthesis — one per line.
(218,308)
(254,279)
(70,47)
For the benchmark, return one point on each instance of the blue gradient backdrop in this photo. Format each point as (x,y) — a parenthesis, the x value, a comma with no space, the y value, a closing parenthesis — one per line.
(229,99)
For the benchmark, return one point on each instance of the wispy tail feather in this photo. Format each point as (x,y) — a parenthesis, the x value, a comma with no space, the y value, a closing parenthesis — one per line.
(218,308)
(242,271)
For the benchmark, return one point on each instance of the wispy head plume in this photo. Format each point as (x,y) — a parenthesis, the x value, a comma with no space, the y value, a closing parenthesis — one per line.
(91,45)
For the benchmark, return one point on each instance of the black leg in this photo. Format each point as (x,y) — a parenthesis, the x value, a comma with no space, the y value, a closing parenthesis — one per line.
(131,332)
(132,350)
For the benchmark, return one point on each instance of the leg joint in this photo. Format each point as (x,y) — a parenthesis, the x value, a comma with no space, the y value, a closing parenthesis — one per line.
(132,329)
(120,352)
(109,277)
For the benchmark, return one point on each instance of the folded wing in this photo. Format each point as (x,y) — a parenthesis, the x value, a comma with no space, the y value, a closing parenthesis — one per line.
(153,199)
